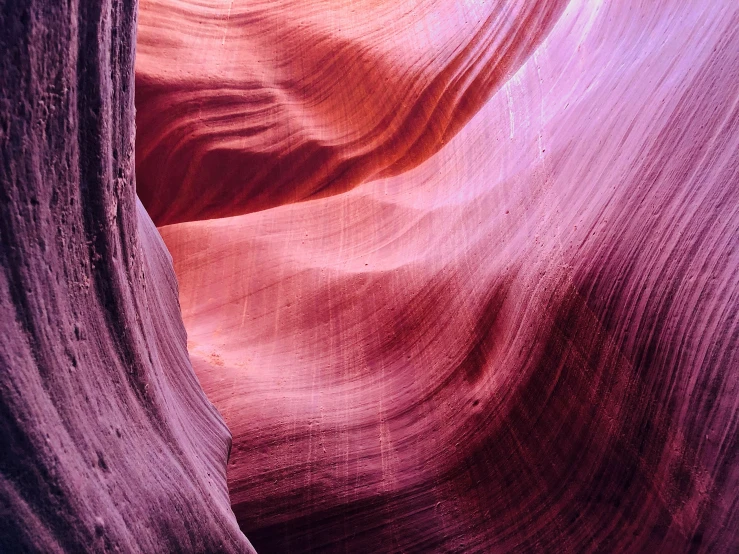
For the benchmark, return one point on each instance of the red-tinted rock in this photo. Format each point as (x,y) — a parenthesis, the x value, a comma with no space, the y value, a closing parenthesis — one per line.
(107,442)
(528,343)
(246,105)
(514,335)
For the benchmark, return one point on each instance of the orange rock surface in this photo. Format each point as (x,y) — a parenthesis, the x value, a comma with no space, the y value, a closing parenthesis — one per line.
(245,105)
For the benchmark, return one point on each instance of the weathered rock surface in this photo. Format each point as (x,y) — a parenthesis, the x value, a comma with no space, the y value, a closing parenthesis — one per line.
(246,105)
(527,343)
(107,442)
(518,331)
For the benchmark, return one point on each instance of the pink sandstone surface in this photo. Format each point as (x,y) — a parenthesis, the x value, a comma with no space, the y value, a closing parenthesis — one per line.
(245,105)
(459,276)
(526,343)
(107,442)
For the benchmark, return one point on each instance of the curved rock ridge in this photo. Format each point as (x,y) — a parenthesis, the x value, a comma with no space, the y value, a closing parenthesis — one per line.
(246,105)
(528,343)
(107,442)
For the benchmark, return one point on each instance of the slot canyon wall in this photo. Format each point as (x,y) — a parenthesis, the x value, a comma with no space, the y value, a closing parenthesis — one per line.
(107,442)
(517,330)
(457,275)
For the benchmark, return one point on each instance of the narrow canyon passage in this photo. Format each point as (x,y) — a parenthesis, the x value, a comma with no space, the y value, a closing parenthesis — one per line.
(515,333)
(357,276)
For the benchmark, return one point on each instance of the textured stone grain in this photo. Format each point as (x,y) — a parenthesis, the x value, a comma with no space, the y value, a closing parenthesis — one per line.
(526,343)
(107,442)
(246,105)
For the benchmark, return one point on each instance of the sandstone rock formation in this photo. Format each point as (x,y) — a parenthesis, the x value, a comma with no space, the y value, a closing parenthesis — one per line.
(246,105)
(107,442)
(477,290)
(526,343)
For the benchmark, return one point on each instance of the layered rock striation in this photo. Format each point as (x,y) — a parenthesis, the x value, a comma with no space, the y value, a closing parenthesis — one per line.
(246,105)
(107,442)
(526,343)
(477,290)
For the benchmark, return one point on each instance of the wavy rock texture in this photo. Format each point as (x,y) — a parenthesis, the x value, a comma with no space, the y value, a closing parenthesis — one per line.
(245,105)
(527,343)
(107,442)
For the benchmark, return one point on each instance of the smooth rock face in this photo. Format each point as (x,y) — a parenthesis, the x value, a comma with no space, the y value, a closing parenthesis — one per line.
(107,442)
(527,343)
(244,105)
